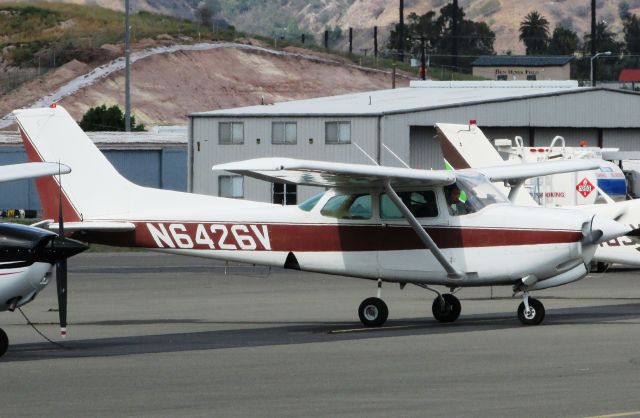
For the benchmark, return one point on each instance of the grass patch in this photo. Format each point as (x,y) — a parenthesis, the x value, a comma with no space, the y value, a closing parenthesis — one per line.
(72,30)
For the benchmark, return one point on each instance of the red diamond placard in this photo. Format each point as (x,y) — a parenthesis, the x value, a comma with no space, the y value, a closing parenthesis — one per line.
(585,187)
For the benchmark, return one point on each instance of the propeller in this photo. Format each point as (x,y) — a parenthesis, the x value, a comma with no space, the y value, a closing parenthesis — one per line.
(61,266)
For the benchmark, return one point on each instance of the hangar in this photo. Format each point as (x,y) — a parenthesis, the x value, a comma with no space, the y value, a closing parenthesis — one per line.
(146,158)
(403,119)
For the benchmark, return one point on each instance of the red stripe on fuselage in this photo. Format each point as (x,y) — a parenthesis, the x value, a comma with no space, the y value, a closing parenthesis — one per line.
(48,188)
(331,237)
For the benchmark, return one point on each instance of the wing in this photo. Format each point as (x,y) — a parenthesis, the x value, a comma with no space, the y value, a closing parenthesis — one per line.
(31,170)
(329,174)
(518,172)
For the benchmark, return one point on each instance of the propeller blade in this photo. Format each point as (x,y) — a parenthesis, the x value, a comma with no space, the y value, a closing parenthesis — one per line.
(61,284)
(61,265)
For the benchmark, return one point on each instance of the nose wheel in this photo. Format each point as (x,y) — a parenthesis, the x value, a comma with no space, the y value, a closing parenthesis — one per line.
(446,308)
(4,342)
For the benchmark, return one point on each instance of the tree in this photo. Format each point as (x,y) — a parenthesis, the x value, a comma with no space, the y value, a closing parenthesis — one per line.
(632,34)
(102,118)
(474,38)
(563,42)
(534,33)
(605,40)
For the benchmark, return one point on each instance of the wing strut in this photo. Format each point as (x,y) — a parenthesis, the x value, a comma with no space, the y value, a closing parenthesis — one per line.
(422,234)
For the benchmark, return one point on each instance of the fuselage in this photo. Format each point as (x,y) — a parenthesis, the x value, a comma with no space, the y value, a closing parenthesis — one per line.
(493,245)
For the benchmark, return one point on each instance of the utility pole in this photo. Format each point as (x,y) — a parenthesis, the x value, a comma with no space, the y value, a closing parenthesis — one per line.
(127,72)
(401,33)
(454,30)
(423,63)
(350,40)
(326,39)
(375,41)
(302,38)
(594,46)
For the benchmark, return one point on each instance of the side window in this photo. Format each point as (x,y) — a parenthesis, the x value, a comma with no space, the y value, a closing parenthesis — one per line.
(337,133)
(422,204)
(231,186)
(457,202)
(348,207)
(230,133)
(284,133)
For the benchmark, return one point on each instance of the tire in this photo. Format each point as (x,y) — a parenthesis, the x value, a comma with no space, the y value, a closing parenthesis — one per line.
(451,310)
(4,342)
(373,312)
(534,317)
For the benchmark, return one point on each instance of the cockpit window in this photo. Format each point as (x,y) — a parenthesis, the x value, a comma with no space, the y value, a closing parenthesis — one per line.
(422,204)
(471,193)
(310,203)
(355,206)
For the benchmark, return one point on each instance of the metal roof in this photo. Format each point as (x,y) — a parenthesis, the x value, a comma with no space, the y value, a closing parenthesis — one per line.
(421,95)
(128,139)
(521,61)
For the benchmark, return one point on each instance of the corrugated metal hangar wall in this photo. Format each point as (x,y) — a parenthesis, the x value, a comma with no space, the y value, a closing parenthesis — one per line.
(602,117)
(162,167)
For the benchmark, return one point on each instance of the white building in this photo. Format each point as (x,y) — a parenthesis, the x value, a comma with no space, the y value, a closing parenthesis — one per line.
(329,128)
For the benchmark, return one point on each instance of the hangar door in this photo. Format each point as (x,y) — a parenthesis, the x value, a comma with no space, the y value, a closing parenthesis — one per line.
(424,148)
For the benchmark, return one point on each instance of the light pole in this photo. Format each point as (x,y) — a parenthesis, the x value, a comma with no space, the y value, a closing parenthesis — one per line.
(594,57)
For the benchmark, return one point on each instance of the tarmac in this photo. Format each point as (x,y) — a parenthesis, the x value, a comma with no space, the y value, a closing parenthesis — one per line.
(162,335)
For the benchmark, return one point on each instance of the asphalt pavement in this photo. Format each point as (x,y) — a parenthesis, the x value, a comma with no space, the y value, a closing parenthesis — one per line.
(162,335)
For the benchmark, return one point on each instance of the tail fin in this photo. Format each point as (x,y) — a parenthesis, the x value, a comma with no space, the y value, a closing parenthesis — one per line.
(94,188)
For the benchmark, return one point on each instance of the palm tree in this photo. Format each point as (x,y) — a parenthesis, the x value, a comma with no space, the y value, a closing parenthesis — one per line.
(534,32)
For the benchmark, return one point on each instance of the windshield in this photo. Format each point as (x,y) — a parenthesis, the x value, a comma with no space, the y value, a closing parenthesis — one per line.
(310,203)
(479,192)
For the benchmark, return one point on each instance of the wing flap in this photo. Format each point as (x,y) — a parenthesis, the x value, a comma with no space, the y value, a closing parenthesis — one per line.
(329,174)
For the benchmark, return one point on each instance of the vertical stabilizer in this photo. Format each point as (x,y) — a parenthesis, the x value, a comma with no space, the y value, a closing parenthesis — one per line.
(93,188)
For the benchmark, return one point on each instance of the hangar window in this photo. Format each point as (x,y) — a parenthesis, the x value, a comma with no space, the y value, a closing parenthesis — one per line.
(348,206)
(231,186)
(230,133)
(338,132)
(284,132)
(501,77)
(285,194)
(531,77)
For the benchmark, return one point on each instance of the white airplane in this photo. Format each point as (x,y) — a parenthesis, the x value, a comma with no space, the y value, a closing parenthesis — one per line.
(465,146)
(380,223)
(27,254)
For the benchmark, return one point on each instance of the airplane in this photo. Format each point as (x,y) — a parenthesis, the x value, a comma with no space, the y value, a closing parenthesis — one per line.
(27,253)
(386,224)
(465,146)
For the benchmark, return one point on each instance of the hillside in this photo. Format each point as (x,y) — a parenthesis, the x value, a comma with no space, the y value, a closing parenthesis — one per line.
(289,18)
(167,86)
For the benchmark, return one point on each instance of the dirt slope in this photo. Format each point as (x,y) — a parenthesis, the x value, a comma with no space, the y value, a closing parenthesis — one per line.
(166,87)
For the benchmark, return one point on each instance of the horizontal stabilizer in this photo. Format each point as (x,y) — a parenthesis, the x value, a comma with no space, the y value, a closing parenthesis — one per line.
(31,170)
(95,226)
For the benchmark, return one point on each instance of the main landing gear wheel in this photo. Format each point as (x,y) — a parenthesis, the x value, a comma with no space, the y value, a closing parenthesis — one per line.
(373,312)
(534,315)
(4,342)
(446,309)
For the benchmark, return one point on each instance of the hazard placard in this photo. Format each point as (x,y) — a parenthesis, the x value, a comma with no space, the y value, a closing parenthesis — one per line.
(585,187)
